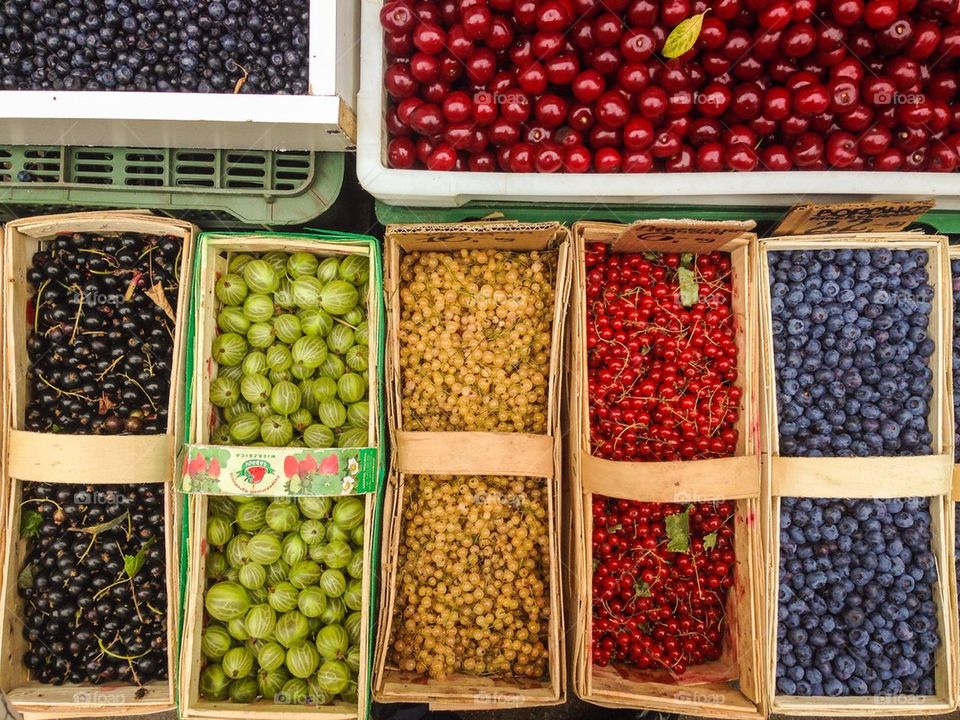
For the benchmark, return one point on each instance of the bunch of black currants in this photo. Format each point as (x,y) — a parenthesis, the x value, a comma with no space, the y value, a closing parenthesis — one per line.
(93,583)
(101,347)
(223,46)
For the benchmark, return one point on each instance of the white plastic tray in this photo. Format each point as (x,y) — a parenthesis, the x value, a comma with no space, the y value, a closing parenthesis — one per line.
(452,189)
(323,120)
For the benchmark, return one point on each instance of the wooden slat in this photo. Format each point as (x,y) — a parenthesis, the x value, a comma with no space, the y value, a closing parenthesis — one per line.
(90,459)
(474,453)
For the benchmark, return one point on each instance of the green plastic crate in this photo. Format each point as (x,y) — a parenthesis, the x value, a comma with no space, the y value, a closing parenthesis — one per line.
(212,188)
(943,221)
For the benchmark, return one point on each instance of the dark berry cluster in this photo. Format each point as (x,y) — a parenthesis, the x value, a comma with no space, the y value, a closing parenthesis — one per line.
(101,347)
(155,45)
(93,583)
(856,612)
(851,351)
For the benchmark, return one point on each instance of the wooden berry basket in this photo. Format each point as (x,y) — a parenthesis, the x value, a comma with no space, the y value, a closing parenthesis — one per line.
(730,687)
(213,257)
(872,477)
(950,519)
(471,453)
(85,459)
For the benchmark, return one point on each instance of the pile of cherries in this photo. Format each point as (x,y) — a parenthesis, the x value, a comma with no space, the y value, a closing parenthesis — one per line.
(583,85)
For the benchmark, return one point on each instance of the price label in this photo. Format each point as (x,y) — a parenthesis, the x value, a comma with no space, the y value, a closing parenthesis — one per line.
(869,216)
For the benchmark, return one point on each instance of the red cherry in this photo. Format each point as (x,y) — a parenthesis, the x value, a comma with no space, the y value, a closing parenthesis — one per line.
(607,160)
(807,150)
(551,110)
(588,86)
(874,141)
(811,99)
(457,106)
(879,14)
(613,111)
(841,149)
(562,69)
(777,15)
(553,16)
(847,12)
(711,157)
(653,102)
(637,161)
(638,44)
(443,157)
(429,38)
(459,43)
(481,162)
(481,66)
(477,21)
(633,77)
(522,157)
(396,17)
(941,158)
(776,157)
(424,68)
(501,34)
(713,33)
(799,40)
(401,153)
(665,144)
(548,158)
(576,159)
(399,82)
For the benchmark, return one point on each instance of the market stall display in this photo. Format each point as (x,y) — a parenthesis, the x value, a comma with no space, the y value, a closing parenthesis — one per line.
(97,303)
(665,468)
(470,616)
(859,546)
(282,475)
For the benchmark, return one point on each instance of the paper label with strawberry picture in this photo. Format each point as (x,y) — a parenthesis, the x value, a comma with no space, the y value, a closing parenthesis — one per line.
(220,470)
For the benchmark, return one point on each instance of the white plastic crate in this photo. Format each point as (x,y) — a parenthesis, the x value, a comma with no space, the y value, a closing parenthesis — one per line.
(323,120)
(452,189)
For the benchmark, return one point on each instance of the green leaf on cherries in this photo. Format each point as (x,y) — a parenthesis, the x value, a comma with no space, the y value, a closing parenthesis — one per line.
(642,589)
(30,522)
(689,289)
(710,541)
(683,37)
(678,531)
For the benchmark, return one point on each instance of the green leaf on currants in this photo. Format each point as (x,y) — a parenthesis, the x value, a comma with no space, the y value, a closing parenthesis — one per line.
(686,260)
(25,578)
(710,541)
(642,589)
(133,563)
(30,523)
(689,289)
(683,37)
(678,531)
(650,255)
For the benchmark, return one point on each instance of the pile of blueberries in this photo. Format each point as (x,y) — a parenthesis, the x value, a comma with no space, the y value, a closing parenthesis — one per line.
(856,614)
(851,351)
(250,46)
(955,274)
(856,609)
